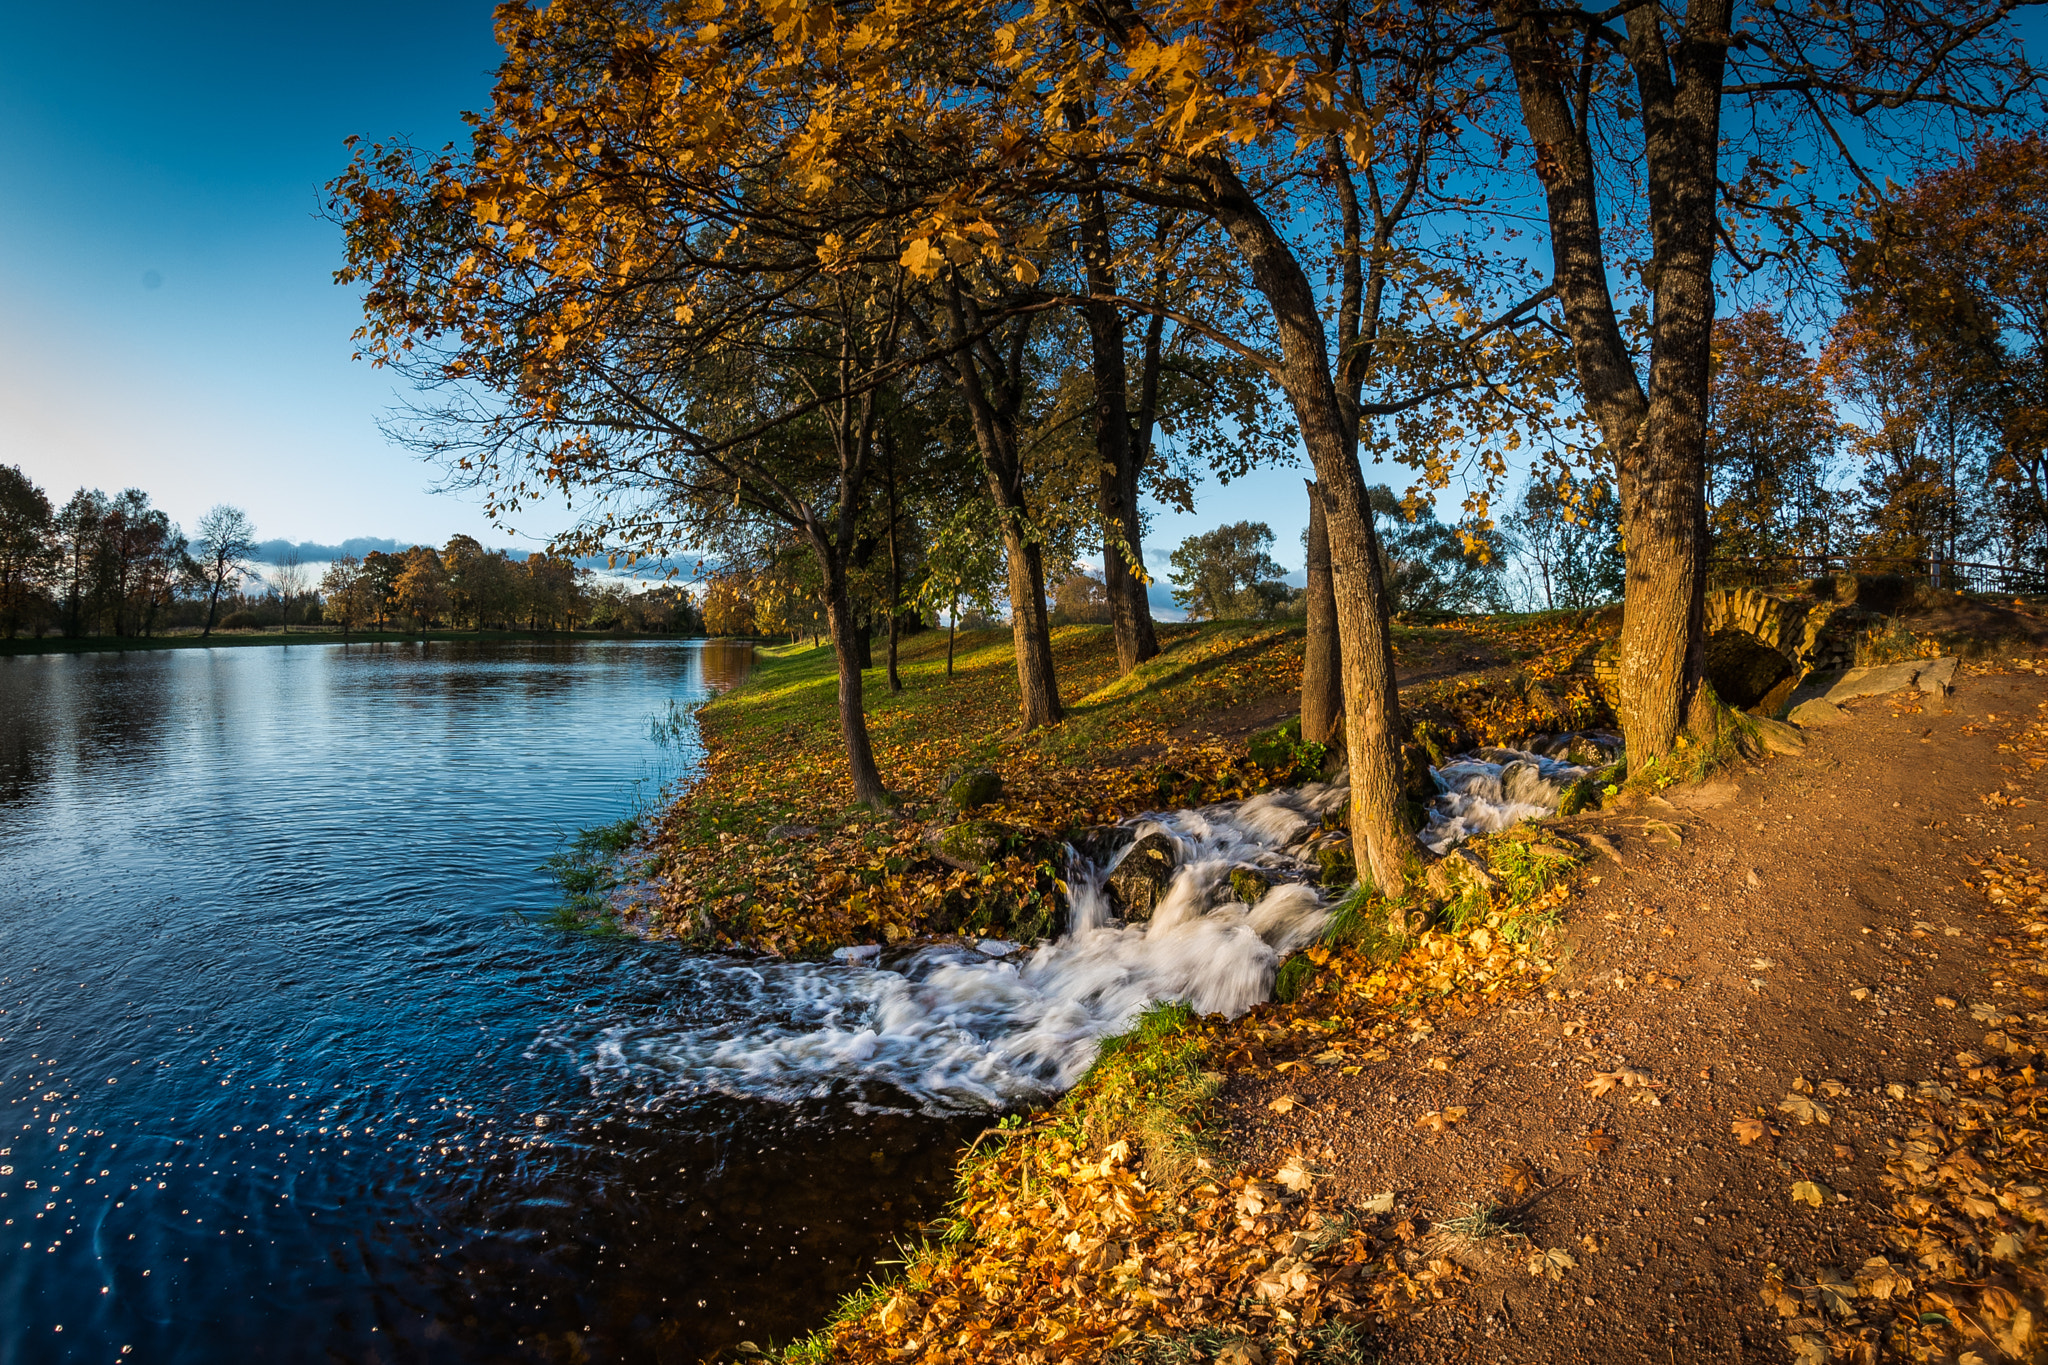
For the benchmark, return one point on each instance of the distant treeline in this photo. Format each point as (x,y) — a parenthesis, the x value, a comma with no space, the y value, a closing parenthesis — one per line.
(117,566)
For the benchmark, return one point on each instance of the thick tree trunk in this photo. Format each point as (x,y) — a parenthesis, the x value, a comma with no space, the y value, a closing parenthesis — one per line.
(1656,438)
(1116,452)
(1322,683)
(1382,841)
(853,722)
(864,641)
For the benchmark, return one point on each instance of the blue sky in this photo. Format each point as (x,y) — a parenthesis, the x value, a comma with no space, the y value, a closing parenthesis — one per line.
(167,314)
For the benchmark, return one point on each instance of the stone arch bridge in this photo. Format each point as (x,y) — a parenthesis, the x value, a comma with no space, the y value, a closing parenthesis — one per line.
(1760,647)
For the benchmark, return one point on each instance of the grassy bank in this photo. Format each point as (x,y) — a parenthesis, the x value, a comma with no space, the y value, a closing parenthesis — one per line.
(224,639)
(766,850)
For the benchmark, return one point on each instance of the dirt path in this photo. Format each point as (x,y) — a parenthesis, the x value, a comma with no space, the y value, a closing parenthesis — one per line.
(1727,968)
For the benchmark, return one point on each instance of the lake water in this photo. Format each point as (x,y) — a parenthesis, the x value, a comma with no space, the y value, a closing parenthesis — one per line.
(291,1070)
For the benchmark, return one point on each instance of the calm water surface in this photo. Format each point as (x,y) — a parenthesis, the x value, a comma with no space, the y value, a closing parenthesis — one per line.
(289,1069)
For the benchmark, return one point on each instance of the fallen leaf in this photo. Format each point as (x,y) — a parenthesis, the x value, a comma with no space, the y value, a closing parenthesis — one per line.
(1518,1177)
(1573,1027)
(1944,1002)
(1440,1062)
(1294,1176)
(1551,1264)
(1833,1089)
(1379,1203)
(1804,1109)
(1597,1142)
(1748,1130)
(1809,1192)
(1802,1085)
(1860,993)
(1285,1104)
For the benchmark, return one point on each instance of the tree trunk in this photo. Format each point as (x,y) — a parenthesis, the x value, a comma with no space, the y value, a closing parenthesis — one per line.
(1322,683)
(994,418)
(1658,438)
(1116,453)
(212,606)
(864,641)
(853,722)
(1383,843)
(895,563)
(1038,695)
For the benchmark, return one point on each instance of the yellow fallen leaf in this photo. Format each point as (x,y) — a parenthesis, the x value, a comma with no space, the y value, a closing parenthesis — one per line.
(1551,1264)
(1748,1130)
(1809,1192)
(1804,1108)
(1285,1104)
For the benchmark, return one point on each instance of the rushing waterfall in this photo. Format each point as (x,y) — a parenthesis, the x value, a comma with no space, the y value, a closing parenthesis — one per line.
(962,1025)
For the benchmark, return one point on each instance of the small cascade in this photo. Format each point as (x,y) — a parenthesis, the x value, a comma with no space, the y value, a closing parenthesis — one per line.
(1493,788)
(960,1026)
(963,1026)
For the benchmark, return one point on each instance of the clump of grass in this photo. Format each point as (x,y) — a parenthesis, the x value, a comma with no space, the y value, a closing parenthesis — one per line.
(1482,1222)
(1150,1082)
(587,871)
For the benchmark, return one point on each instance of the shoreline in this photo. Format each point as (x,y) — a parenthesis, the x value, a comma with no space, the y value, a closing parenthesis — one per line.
(116,644)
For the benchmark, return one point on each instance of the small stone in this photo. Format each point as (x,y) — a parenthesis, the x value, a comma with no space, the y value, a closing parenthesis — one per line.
(1816,711)
(1249,886)
(1779,737)
(858,953)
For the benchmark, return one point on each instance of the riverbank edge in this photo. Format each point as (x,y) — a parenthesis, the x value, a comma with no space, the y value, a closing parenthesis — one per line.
(115,644)
(1140,1123)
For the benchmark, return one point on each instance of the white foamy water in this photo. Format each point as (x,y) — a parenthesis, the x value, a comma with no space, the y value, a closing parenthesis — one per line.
(951,1027)
(972,1026)
(1492,789)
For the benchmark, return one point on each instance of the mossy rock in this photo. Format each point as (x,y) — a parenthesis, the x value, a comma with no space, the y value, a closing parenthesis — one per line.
(972,789)
(1249,886)
(1583,794)
(1274,749)
(976,843)
(1334,863)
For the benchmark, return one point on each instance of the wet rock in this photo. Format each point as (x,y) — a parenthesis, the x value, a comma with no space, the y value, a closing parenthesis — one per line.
(1334,863)
(1141,878)
(972,789)
(1417,782)
(1249,886)
(1100,844)
(781,833)
(1583,794)
(858,953)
